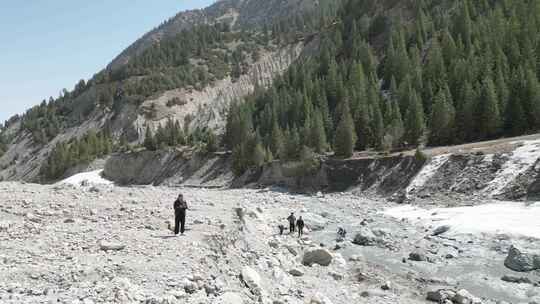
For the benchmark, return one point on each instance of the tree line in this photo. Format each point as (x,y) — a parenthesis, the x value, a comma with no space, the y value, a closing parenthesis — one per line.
(67,155)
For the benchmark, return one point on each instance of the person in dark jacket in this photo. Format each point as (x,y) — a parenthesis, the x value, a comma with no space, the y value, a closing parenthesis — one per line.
(180,207)
(292,221)
(300,226)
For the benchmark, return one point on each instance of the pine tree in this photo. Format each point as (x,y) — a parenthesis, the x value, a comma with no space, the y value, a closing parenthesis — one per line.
(345,139)
(318,134)
(442,121)
(277,144)
(489,121)
(396,129)
(532,100)
(465,114)
(414,121)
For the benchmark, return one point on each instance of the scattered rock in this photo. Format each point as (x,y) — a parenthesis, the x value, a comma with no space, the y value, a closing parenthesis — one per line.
(113,246)
(296,272)
(318,256)
(274,244)
(336,276)
(356,258)
(514,279)
(387,285)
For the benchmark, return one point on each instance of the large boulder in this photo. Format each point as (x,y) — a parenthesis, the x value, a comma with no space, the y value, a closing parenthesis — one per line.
(520,261)
(365,237)
(318,256)
(252,280)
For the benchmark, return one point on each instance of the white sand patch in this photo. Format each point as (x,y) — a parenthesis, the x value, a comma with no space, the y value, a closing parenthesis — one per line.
(510,218)
(427,172)
(89,178)
(521,159)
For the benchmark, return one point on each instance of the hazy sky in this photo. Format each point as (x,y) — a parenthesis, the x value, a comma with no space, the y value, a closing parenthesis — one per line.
(47,45)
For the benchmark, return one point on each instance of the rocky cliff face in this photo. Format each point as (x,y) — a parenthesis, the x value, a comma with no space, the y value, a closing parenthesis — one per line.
(208,107)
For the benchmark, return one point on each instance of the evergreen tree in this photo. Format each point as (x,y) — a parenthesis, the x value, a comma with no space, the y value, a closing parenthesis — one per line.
(414,121)
(442,120)
(489,121)
(277,144)
(318,134)
(345,139)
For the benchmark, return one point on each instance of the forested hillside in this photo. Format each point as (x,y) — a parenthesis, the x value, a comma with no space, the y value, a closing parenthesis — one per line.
(394,74)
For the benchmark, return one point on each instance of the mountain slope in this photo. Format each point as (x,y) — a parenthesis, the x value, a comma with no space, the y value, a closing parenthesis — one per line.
(183,74)
(240,14)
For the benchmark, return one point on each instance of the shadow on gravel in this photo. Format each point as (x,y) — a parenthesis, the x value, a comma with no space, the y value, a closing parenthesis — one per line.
(164,236)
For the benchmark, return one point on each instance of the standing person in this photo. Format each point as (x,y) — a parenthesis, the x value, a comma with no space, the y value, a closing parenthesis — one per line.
(292,221)
(300,226)
(180,207)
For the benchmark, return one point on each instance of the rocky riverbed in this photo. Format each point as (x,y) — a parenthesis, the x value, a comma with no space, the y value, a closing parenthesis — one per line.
(108,244)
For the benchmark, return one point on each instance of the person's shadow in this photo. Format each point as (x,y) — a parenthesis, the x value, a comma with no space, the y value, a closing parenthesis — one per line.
(164,237)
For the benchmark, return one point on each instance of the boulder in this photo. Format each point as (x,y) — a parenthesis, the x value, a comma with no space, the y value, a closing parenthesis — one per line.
(190,287)
(252,280)
(315,222)
(440,230)
(520,261)
(318,256)
(319,298)
(296,272)
(517,280)
(464,297)
(230,298)
(365,237)
(440,295)
(113,246)
(417,256)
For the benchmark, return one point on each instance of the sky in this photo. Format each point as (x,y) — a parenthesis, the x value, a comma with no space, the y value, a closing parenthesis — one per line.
(48,45)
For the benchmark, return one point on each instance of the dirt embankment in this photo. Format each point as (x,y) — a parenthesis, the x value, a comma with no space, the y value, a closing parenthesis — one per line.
(512,173)
(382,176)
